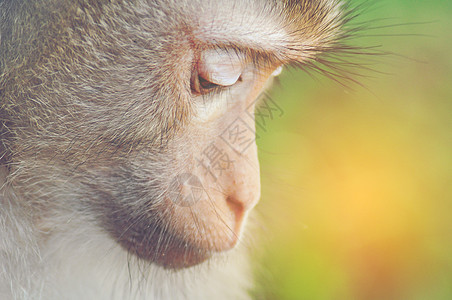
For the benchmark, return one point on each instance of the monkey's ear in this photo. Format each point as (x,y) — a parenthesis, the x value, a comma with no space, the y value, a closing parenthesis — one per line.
(216,68)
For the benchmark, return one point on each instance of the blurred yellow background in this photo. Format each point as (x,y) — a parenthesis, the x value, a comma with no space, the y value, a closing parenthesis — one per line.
(357,184)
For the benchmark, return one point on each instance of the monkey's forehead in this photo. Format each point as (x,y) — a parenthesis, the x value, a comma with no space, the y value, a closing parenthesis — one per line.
(288,30)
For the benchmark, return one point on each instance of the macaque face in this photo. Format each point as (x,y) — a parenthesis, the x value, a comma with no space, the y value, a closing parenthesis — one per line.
(139,114)
(210,179)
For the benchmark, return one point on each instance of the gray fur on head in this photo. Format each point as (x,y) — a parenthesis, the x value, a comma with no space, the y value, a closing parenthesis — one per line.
(97,116)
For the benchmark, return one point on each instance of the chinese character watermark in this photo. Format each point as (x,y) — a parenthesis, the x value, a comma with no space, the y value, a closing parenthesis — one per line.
(264,109)
(185,190)
(239,135)
(214,159)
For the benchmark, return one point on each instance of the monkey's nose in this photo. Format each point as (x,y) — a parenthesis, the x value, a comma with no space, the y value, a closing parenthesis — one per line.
(241,201)
(238,211)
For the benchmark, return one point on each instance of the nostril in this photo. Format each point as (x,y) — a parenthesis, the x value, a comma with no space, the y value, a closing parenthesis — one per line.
(237,209)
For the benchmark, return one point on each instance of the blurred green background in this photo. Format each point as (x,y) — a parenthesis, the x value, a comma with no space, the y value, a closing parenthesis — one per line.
(357,184)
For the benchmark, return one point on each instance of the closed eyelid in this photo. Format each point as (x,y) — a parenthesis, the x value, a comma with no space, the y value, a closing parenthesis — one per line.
(221,67)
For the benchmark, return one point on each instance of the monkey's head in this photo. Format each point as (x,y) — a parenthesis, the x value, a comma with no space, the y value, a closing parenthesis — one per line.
(139,114)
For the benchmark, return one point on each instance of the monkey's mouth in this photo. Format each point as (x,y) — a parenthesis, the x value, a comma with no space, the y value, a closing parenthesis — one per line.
(161,247)
(168,234)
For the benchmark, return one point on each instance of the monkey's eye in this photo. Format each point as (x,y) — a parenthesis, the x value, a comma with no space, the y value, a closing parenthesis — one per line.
(216,69)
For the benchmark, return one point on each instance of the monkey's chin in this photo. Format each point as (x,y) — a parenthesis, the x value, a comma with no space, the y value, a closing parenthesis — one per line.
(179,258)
(165,250)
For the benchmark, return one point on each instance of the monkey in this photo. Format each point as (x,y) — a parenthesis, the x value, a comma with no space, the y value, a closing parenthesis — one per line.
(112,113)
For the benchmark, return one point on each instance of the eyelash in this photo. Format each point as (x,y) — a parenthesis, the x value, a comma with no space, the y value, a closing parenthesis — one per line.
(201,86)
(206,85)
